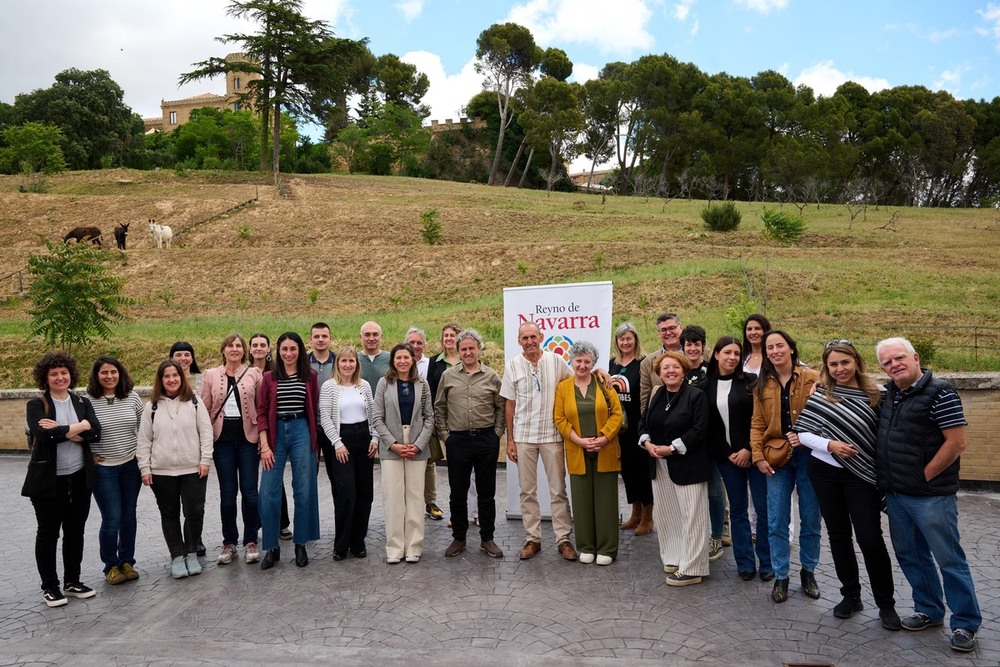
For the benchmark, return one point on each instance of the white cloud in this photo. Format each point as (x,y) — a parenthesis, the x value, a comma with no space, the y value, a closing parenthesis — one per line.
(763,6)
(583,72)
(447,94)
(824,79)
(695,27)
(992,17)
(682,9)
(411,9)
(950,80)
(941,35)
(621,29)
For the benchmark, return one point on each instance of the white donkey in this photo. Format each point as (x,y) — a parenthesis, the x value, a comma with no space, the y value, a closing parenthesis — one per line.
(162,234)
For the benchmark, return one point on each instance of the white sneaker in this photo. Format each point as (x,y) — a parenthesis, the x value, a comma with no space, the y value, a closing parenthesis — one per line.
(252,554)
(392,560)
(227,555)
(413,559)
(604,560)
(586,558)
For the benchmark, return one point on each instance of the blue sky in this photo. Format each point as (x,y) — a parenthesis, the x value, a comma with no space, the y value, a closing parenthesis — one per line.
(954,45)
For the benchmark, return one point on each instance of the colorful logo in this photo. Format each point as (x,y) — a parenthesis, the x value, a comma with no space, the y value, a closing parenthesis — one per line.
(559,346)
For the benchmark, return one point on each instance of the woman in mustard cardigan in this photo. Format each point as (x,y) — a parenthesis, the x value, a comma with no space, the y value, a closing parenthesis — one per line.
(588,417)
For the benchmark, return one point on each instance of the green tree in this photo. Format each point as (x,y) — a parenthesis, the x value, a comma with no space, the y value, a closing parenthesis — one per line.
(89,107)
(506,55)
(601,118)
(300,63)
(401,84)
(552,121)
(33,151)
(74,295)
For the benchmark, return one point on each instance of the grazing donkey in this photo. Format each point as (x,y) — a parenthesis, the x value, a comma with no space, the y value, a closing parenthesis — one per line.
(121,231)
(162,234)
(81,234)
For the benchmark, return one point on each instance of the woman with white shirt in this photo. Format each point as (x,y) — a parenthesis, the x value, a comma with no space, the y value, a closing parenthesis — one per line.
(404,420)
(838,424)
(174,454)
(346,410)
(229,392)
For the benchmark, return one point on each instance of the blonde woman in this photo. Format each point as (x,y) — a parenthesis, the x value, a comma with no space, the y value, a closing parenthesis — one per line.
(346,410)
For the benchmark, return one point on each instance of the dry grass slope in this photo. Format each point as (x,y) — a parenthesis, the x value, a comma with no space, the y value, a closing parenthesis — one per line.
(352,244)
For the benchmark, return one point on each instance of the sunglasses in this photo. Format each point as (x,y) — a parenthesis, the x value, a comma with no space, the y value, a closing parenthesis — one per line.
(841,341)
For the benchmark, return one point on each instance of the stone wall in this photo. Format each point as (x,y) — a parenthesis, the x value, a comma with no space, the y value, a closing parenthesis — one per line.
(980,394)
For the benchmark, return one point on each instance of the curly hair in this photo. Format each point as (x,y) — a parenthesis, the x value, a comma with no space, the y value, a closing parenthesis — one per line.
(55,360)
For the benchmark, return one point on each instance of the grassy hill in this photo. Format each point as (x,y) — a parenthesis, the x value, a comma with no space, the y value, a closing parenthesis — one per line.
(345,249)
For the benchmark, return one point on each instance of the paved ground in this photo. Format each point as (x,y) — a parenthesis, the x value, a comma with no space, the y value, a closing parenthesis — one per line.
(462,611)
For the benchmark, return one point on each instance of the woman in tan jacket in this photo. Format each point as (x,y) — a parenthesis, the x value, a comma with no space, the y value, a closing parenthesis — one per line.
(781,391)
(588,416)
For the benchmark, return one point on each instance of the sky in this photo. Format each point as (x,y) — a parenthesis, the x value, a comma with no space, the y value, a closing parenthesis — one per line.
(146,45)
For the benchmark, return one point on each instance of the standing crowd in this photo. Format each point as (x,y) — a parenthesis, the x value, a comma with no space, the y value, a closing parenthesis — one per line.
(711,449)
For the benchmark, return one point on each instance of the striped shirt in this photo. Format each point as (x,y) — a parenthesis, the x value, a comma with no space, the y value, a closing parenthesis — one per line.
(119,428)
(946,411)
(291,395)
(533,390)
(851,419)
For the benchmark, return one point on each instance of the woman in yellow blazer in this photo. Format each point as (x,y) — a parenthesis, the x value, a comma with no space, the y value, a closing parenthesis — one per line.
(589,416)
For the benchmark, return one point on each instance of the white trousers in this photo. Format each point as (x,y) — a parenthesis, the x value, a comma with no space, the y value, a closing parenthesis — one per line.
(680,514)
(403,506)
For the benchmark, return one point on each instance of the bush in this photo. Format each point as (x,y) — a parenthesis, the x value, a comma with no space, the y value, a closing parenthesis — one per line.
(781,226)
(925,347)
(723,218)
(430,228)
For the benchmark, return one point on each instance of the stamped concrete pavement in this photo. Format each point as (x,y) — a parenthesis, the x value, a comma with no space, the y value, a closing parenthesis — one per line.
(456,611)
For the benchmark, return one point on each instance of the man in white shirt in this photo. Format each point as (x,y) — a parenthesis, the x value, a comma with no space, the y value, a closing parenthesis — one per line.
(529,388)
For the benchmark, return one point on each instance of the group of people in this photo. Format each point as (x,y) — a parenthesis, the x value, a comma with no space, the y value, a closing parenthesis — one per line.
(744,426)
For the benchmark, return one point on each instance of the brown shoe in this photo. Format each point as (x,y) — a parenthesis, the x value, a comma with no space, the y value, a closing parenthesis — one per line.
(633,521)
(646,523)
(529,550)
(455,548)
(567,551)
(490,548)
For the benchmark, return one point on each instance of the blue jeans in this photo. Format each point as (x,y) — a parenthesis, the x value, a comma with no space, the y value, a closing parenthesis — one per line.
(236,464)
(793,475)
(716,504)
(924,529)
(737,479)
(290,442)
(117,492)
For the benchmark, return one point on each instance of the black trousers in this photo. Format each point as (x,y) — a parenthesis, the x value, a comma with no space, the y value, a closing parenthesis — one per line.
(468,455)
(67,511)
(846,501)
(353,487)
(172,494)
(635,469)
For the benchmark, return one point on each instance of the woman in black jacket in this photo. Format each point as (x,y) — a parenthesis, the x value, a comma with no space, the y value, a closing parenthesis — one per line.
(673,430)
(61,474)
(730,408)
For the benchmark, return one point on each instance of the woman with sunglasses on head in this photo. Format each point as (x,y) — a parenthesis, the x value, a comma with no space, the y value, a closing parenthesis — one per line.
(119,409)
(839,424)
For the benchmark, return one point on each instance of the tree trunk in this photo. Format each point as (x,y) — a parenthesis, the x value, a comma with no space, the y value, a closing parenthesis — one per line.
(496,156)
(513,165)
(276,140)
(553,162)
(527,167)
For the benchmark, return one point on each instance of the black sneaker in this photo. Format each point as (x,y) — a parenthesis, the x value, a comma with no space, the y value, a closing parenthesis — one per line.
(78,590)
(285,534)
(963,640)
(890,619)
(53,597)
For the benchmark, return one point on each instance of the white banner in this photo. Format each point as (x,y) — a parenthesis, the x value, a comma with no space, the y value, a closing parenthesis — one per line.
(565,314)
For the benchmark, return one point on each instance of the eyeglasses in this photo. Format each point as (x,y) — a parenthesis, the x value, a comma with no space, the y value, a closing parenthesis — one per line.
(842,341)
(538,380)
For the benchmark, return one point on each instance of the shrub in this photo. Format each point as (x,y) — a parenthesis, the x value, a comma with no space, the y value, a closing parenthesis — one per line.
(723,218)
(430,227)
(925,347)
(782,226)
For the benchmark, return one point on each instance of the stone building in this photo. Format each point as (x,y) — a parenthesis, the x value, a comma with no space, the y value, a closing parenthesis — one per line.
(175,113)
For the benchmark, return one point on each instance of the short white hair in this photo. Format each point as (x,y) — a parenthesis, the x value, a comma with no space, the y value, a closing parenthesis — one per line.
(415,330)
(889,342)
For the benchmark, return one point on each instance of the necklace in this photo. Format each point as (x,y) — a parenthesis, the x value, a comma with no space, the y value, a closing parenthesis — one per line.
(670,398)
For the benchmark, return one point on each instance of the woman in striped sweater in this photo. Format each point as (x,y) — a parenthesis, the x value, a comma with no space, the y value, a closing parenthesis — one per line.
(119,410)
(838,424)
